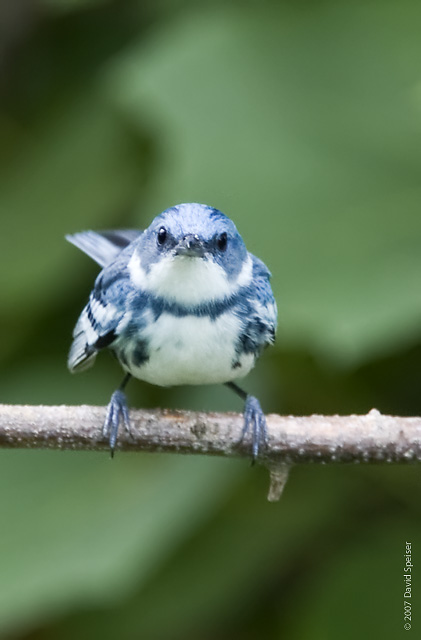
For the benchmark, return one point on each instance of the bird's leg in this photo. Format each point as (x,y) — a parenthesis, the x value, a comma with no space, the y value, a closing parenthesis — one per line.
(254,419)
(117,410)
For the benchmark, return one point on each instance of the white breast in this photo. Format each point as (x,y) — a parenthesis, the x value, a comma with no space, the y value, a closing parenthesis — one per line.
(192,350)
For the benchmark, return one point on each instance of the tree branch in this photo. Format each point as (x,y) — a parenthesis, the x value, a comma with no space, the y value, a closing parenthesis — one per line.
(324,439)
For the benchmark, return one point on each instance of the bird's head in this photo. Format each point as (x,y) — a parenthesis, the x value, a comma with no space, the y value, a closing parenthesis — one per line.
(191,254)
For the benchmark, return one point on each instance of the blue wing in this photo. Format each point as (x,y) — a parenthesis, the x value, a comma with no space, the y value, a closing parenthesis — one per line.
(97,326)
(260,314)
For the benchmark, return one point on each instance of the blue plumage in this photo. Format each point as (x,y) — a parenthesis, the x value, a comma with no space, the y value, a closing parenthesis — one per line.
(183,302)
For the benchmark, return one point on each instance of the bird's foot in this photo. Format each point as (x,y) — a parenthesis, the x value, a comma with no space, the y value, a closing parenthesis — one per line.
(117,411)
(254,423)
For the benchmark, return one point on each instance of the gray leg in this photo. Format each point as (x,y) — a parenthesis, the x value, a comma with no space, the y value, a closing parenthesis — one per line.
(254,420)
(117,411)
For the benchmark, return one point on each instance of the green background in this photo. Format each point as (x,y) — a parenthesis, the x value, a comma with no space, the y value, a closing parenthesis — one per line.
(301,121)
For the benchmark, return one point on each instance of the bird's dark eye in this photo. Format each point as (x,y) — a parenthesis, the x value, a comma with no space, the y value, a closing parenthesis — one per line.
(162,235)
(222,241)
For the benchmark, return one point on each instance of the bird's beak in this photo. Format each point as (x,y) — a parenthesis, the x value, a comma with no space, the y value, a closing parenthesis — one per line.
(191,246)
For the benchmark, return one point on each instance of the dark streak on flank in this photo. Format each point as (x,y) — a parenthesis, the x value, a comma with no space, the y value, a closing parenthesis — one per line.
(140,355)
(105,340)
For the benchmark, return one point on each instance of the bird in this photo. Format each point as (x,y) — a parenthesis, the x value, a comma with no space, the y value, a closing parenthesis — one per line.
(181,303)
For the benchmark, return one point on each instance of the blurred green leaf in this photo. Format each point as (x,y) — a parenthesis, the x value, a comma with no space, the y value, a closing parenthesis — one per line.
(73,171)
(79,529)
(366,578)
(258,557)
(309,142)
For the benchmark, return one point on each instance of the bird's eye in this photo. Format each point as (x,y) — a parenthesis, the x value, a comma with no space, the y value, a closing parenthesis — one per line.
(222,241)
(162,235)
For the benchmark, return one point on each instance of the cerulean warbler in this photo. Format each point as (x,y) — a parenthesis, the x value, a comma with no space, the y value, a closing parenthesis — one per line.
(182,302)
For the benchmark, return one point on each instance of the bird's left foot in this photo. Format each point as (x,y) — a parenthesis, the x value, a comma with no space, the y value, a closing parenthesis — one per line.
(255,423)
(117,411)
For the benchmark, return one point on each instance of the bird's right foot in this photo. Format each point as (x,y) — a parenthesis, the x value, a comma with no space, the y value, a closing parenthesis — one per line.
(117,411)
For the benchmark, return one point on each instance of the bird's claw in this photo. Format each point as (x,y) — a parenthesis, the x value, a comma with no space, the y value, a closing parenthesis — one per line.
(117,411)
(254,422)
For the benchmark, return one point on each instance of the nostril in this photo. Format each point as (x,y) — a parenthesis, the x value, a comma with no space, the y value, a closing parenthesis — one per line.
(191,241)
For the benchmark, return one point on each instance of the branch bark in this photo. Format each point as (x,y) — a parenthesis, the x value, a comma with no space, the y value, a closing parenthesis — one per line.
(364,438)
(324,439)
